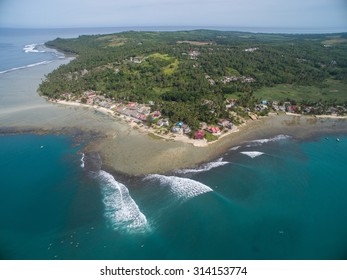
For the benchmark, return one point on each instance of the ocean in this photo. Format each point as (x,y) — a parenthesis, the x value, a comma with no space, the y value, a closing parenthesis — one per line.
(276,198)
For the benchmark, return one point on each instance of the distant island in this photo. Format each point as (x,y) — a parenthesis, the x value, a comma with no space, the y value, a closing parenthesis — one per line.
(201,84)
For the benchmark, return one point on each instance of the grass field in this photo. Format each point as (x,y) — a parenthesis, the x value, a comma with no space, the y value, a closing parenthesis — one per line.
(334,41)
(170,68)
(114,40)
(333,90)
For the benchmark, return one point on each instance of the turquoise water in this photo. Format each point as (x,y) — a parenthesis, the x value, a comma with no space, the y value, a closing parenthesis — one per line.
(40,185)
(276,198)
(287,201)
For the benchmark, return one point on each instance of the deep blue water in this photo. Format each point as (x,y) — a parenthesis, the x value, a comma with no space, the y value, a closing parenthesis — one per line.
(287,202)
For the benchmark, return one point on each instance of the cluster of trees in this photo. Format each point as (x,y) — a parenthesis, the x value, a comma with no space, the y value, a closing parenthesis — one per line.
(165,71)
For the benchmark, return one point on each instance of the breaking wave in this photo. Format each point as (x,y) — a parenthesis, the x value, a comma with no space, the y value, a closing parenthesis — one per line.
(37,48)
(34,48)
(121,211)
(27,66)
(235,148)
(260,142)
(82,160)
(252,154)
(204,167)
(182,188)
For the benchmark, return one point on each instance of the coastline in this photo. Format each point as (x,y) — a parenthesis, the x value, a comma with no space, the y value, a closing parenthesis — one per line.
(123,148)
(137,155)
(133,123)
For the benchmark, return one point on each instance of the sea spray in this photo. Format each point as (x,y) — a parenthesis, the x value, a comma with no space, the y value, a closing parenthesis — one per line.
(181,188)
(260,142)
(252,154)
(121,211)
(82,160)
(204,167)
(35,48)
(235,148)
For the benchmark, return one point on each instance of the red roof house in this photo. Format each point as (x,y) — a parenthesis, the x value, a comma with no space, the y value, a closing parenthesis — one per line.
(199,134)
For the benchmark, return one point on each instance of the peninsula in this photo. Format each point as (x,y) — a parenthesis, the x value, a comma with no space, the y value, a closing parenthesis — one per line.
(198,86)
(201,83)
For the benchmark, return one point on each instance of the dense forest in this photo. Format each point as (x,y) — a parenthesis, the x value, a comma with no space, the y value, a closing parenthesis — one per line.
(188,75)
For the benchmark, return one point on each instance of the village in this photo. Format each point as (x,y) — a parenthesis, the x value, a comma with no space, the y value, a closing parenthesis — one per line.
(140,116)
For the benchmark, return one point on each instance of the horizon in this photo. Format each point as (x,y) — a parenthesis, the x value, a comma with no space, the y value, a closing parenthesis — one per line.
(172,28)
(311,14)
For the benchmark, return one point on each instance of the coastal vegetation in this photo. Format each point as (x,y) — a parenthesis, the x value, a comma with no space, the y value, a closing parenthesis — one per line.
(203,77)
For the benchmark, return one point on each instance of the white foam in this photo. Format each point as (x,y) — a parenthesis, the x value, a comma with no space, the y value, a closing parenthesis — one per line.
(263,141)
(27,66)
(32,48)
(235,148)
(121,210)
(82,160)
(182,188)
(204,167)
(252,154)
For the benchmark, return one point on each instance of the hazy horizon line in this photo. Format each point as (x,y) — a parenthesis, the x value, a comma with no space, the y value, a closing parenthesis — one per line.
(195,27)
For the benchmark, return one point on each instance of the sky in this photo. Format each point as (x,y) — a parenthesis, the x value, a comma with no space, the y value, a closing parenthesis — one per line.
(121,13)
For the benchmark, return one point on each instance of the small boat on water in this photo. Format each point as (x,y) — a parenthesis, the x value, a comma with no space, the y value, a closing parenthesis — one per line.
(337,139)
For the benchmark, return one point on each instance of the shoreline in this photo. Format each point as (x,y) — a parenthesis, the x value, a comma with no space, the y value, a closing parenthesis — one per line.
(131,152)
(133,123)
(137,154)
(124,149)
(162,157)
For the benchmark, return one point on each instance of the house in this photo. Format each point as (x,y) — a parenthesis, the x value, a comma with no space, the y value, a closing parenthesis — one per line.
(225,123)
(282,108)
(136,60)
(166,122)
(179,124)
(103,104)
(203,125)
(251,49)
(275,105)
(264,102)
(186,129)
(89,94)
(176,129)
(66,95)
(260,107)
(199,134)
(131,105)
(293,109)
(308,109)
(213,129)
(160,123)
(142,117)
(230,103)
(156,114)
(194,54)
